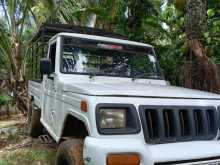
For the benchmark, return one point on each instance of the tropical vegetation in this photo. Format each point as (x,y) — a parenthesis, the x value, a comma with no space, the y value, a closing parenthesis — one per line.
(185,33)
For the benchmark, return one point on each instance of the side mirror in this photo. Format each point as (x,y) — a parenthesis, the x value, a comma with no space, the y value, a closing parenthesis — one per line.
(45,66)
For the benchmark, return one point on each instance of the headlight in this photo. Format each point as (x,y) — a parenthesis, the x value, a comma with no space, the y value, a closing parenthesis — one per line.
(117,119)
(112,118)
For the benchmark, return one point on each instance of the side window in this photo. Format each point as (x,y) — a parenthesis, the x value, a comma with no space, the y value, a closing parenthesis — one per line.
(52,56)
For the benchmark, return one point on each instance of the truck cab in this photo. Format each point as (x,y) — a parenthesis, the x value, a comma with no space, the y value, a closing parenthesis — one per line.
(105,99)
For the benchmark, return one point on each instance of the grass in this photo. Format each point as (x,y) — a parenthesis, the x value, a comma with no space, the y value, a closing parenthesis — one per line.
(36,155)
(28,156)
(2,162)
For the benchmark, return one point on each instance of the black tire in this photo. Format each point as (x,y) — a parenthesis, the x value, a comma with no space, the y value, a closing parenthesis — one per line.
(35,128)
(70,152)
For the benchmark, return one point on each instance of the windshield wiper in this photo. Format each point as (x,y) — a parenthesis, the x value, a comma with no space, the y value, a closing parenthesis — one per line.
(134,77)
(91,75)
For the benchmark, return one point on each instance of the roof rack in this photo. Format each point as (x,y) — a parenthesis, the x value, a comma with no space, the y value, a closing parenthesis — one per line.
(47,31)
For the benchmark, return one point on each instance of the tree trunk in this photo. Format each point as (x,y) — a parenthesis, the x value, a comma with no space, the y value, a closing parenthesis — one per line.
(17,82)
(7,110)
(200,72)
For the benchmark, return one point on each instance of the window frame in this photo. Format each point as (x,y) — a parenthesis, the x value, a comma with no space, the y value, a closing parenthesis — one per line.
(105,42)
(53,62)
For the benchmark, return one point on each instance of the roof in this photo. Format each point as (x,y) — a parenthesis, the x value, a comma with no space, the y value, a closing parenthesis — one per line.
(47,31)
(101,38)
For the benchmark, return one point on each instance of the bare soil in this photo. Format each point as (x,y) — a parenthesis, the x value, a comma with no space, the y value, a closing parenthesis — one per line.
(16,148)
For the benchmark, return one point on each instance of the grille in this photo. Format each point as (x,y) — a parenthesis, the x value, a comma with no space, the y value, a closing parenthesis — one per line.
(164,124)
(202,161)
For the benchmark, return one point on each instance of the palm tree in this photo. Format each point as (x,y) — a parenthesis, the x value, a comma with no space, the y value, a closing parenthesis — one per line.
(92,13)
(17,18)
(73,12)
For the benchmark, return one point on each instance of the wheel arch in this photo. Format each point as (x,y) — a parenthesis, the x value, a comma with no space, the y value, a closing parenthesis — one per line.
(74,127)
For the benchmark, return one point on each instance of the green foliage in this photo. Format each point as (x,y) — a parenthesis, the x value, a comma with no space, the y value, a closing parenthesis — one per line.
(74,11)
(28,156)
(212,35)
(173,49)
(143,21)
(4,44)
(158,22)
(3,162)
(18,20)
(4,99)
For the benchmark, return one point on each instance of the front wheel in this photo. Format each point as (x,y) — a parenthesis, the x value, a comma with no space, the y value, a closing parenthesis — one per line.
(70,152)
(35,128)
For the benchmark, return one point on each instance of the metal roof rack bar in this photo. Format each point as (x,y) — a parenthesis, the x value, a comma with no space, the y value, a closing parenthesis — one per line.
(47,31)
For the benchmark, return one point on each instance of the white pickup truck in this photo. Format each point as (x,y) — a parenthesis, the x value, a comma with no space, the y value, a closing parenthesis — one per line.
(106,102)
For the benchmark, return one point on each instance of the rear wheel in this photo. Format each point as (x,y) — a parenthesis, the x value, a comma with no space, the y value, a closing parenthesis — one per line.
(70,152)
(35,127)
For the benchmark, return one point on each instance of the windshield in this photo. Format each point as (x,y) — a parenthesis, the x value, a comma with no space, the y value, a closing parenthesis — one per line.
(104,59)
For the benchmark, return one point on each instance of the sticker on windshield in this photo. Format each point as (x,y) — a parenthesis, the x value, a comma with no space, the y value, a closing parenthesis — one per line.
(111,47)
(152,58)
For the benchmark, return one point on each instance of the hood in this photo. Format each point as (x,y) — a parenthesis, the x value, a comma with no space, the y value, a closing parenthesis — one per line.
(136,89)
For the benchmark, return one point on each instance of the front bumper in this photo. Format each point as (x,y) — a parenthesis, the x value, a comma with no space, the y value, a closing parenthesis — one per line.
(97,149)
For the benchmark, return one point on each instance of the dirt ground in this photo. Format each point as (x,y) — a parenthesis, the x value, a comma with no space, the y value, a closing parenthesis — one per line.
(16,148)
